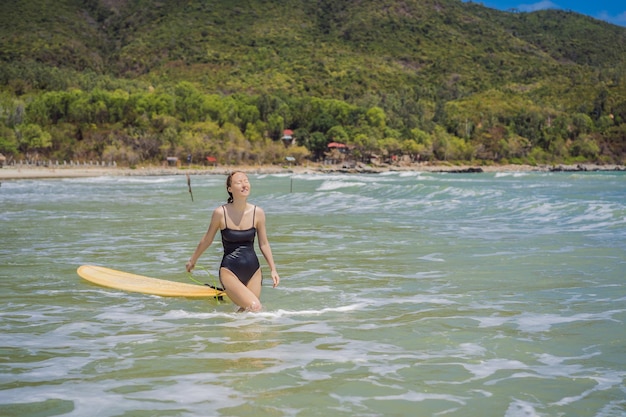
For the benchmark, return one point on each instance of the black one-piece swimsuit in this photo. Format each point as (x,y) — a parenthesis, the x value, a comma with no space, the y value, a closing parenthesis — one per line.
(239,255)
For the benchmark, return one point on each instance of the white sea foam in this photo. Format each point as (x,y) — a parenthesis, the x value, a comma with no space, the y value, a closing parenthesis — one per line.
(279,313)
(537,322)
(432,257)
(511,174)
(336,185)
(127,180)
(486,368)
(519,408)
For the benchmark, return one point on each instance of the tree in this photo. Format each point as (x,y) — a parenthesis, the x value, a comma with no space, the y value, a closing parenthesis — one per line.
(441,143)
(8,141)
(411,148)
(581,125)
(12,111)
(586,147)
(337,134)
(364,145)
(225,109)
(237,147)
(390,146)
(247,114)
(376,117)
(202,139)
(316,143)
(152,104)
(188,102)
(275,126)
(32,138)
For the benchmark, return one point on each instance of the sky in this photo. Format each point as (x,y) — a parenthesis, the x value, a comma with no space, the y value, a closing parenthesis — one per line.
(612,11)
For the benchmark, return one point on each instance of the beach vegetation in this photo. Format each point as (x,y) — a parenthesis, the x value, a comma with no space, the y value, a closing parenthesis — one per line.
(441,81)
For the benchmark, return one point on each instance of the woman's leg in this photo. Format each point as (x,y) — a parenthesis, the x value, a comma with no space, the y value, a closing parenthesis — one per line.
(246,297)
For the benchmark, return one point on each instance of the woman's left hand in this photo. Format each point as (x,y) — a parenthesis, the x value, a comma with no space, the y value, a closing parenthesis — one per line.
(190,266)
(275,278)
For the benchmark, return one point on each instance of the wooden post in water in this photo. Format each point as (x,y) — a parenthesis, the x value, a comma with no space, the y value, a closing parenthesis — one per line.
(189,186)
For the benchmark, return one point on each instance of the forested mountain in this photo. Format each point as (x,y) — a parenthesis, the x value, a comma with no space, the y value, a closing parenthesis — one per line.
(145,79)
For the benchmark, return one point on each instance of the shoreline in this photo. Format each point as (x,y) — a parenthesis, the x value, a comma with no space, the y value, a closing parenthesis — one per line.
(34,172)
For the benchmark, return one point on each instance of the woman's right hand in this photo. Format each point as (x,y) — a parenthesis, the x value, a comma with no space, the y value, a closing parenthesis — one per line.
(190,266)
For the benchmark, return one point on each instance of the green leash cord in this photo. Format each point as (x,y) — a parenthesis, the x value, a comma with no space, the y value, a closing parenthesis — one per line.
(215,287)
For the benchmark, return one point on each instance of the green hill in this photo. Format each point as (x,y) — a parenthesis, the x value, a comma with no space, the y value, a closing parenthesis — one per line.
(444,79)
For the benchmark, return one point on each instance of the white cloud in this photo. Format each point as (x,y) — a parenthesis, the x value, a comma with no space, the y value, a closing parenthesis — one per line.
(619,19)
(544,4)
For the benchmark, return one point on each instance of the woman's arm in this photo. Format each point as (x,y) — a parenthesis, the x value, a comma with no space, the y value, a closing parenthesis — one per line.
(264,245)
(216,222)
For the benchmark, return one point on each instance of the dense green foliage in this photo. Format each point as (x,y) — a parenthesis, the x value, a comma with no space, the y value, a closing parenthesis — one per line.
(141,80)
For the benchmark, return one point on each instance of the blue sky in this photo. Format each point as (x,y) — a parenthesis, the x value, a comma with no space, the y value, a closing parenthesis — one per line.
(613,11)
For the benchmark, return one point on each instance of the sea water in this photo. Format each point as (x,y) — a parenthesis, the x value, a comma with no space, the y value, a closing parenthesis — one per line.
(402,294)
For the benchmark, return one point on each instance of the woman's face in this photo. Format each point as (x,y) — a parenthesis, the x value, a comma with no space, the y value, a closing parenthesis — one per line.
(239,185)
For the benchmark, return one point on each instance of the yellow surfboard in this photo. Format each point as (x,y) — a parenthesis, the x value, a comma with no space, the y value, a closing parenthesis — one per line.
(120,280)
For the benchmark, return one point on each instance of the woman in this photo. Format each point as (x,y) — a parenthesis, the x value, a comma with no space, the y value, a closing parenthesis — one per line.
(239,223)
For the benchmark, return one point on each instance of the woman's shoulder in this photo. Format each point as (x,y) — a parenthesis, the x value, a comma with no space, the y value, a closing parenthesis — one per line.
(219,211)
(259,213)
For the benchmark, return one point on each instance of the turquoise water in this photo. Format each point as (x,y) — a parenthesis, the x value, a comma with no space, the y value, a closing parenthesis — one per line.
(402,294)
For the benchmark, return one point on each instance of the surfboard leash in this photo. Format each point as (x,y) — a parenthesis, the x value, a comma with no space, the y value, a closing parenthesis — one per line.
(217,297)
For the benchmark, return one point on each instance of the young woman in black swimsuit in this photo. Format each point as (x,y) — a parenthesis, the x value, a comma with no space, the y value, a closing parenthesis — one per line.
(239,223)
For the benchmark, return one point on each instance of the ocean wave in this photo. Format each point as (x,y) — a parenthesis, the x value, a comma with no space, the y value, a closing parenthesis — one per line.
(538,322)
(335,185)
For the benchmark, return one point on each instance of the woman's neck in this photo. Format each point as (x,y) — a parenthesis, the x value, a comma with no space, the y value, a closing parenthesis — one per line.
(240,205)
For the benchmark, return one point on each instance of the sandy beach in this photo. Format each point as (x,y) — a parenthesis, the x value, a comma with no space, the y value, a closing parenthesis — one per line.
(34,172)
